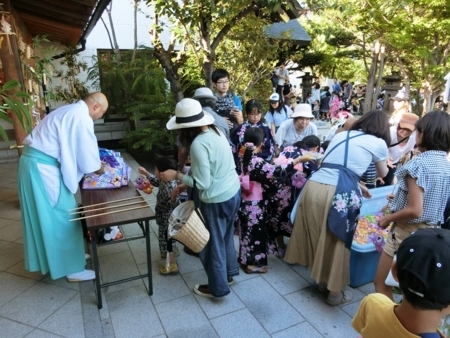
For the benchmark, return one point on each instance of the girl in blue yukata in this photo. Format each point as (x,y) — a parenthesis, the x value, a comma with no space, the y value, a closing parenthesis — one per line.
(423,189)
(165,203)
(258,183)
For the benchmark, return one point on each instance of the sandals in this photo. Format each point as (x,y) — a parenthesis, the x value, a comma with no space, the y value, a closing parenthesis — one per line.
(259,269)
(347,296)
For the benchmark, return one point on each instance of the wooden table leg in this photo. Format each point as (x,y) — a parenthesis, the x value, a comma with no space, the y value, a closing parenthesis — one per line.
(96,269)
(149,257)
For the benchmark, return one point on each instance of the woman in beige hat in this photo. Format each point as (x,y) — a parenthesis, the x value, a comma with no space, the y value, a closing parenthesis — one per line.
(401,106)
(297,127)
(403,140)
(215,178)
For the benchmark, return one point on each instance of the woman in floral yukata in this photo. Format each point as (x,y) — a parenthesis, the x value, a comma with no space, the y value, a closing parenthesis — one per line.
(253,109)
(289,187)
(257,183)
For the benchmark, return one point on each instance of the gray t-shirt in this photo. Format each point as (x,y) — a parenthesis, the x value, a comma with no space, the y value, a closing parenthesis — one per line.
(220,122)
(362,151)
(287,135)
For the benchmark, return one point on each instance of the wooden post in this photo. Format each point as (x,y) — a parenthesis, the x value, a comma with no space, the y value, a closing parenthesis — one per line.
(12,69)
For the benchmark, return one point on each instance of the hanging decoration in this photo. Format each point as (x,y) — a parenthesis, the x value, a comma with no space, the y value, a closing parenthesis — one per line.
(6,30)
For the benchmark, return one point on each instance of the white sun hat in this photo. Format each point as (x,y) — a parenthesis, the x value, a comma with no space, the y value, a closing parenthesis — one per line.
(303,110)
(204,93)
(188,114)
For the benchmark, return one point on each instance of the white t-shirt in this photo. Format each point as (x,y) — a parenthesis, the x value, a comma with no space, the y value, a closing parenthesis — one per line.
(278,118)
(362,151)
(281,72)
(397,152)
(287,135)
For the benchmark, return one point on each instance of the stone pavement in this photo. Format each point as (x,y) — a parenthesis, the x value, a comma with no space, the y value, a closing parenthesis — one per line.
(280,303)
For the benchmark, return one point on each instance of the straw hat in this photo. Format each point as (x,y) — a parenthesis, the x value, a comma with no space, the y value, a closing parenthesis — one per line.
(303,110)
(204,93)
(408,121)
(188,114)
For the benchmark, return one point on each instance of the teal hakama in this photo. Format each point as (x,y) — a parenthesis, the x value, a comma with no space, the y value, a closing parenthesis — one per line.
(51,242)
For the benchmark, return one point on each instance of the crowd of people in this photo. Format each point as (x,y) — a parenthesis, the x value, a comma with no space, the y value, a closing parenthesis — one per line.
(246,169)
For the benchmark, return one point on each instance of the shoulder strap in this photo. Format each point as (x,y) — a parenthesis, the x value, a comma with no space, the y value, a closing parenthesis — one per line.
(396,144)
(346,140)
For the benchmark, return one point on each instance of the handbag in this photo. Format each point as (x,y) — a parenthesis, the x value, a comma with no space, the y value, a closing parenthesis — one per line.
(186,225)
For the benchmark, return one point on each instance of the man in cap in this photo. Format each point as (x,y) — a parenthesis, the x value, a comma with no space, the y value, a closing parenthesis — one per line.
(422,270)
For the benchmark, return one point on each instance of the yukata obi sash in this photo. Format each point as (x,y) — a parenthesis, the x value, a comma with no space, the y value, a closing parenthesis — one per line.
(251,190)
(347,199)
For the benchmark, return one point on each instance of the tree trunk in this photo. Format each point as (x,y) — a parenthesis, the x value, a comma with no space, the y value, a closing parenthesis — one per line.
(208,68)
(380,75)
(136,4)
(371,78)
(113,33)
(9,56)
(171,74)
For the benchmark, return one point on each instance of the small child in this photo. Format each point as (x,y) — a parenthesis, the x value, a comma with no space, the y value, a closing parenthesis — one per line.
(422,270)
(423,189)
(316,109)
(165,203)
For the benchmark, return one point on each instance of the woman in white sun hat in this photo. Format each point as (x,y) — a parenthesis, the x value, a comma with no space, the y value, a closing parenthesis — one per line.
(297,127)
(214,175)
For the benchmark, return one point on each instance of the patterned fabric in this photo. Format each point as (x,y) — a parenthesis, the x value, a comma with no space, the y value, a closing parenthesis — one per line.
(237,139)
(257,238)
(163,209)
(289,187)
(369,177)
(432,171)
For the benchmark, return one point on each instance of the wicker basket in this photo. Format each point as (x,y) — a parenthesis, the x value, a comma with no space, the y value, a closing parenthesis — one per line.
(186,226)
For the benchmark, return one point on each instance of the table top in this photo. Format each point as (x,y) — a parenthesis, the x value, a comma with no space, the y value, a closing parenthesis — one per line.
(96,196)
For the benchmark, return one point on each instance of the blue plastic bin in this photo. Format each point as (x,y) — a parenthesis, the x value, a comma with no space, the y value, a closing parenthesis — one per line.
(364,258)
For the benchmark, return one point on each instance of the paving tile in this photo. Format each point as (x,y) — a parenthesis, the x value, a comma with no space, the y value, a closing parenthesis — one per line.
(11,232)
(184,318)
(265,303)
(367,288)
(213,307)
(19,270)
(312,306)
(304,272)
(63,283)
(303,330)
(10,329)
(140,252)
(91,316)
(111,249)
(19,241)
(244,325)
(6,205)
(12,286)
(119,266)
(36,333)
(13,214)
(10,255)
(130,230)
(5,221)
(133,314)
(67,321)
(37,303)
(187,263)
(3,243)
(11,183)
(283,278)
(165,287)
(351,308)
(6,193)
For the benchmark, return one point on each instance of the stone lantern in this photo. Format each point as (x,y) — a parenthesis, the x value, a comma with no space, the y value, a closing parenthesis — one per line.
(391,87)
(306,85)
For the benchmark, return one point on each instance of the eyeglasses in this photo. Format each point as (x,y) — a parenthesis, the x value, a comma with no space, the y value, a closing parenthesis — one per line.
(222,82)
(254,114)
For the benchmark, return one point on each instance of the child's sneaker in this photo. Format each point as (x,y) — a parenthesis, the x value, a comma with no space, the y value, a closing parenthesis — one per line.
(169,269)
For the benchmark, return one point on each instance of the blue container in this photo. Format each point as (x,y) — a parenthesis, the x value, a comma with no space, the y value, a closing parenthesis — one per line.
(364,258)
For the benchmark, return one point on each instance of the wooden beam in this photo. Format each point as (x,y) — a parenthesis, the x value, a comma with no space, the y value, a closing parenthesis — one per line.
(57,16)
(90,3)
(36,19)
(9,55)
(68,7)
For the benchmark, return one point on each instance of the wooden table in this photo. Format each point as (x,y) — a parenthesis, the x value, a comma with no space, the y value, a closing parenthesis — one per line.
(93,224)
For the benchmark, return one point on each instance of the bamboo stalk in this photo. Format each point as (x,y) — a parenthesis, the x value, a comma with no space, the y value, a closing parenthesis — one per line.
(110,212)
(108,207)
(94,205)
